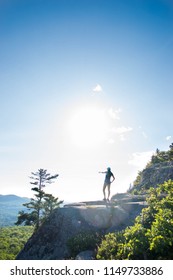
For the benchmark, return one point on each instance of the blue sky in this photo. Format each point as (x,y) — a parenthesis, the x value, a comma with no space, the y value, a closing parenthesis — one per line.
(83,85)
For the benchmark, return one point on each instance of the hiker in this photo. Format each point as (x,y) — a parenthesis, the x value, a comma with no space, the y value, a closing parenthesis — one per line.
(107,182)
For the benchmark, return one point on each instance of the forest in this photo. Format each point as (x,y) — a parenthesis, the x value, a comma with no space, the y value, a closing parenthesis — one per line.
(12,240)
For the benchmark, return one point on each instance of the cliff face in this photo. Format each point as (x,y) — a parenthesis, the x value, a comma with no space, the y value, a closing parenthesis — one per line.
(155,174)
(51,240)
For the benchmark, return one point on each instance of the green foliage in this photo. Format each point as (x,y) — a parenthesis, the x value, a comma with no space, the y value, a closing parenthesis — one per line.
(138,179)
(28,219)
(83,241)
(49,204)
(41,178)
(171,151)
(140,185)
(12,240)
(136,243)
(111,247)
(162,156)
(151,236)
(135,192)
(42,205)
(161,234)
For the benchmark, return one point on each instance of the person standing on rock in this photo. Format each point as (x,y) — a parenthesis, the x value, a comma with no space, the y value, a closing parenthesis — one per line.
(107,182)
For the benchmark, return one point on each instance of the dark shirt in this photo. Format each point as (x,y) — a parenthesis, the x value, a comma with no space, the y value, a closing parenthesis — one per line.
(108,176)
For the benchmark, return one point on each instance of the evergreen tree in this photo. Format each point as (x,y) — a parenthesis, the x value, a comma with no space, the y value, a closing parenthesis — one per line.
(41,178)
(49,204)
(42,204)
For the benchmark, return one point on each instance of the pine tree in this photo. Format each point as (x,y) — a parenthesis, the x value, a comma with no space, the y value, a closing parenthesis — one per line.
(41,178)
(42,204)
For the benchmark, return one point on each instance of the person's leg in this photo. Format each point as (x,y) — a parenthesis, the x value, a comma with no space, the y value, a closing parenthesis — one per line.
(109,190)
(104,191)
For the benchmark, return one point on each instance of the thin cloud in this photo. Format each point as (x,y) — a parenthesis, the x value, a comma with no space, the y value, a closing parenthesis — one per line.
(123,129)
(97,88)
(114,114)
(168,138)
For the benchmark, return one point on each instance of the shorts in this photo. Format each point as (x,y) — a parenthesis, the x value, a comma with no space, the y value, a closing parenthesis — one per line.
(107,183)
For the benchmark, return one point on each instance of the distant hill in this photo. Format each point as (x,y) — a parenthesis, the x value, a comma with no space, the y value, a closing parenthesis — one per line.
(10,205)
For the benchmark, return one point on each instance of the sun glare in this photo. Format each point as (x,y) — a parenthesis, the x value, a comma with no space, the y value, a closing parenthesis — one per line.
(88,126)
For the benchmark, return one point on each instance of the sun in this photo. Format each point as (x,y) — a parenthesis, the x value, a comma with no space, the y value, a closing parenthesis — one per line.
(87,126)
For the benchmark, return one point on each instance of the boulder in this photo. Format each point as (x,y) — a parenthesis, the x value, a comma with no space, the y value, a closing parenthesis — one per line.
(85,255)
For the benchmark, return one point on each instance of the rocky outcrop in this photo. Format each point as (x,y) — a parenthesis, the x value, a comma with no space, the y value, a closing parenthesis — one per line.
(155,174)
(50,242)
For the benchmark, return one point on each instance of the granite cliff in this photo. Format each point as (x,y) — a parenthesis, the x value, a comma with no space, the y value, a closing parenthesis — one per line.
(153,175)
(51,240)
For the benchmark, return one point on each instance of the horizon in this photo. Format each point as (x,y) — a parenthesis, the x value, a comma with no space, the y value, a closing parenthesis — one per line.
(84,85)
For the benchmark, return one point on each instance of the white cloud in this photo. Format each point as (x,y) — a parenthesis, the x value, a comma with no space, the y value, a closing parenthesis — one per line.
(168,138)
(123,129)
(140,159)
(114,114)
(97,88)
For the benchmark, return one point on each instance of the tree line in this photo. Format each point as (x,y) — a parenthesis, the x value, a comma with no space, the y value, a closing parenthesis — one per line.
(162,156)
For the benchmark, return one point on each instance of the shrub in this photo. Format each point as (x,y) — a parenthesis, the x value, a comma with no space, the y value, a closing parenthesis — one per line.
(83,241)
(151,236)
(111,247)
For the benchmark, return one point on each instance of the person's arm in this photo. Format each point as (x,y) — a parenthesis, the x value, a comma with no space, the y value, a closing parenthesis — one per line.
(113,177)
